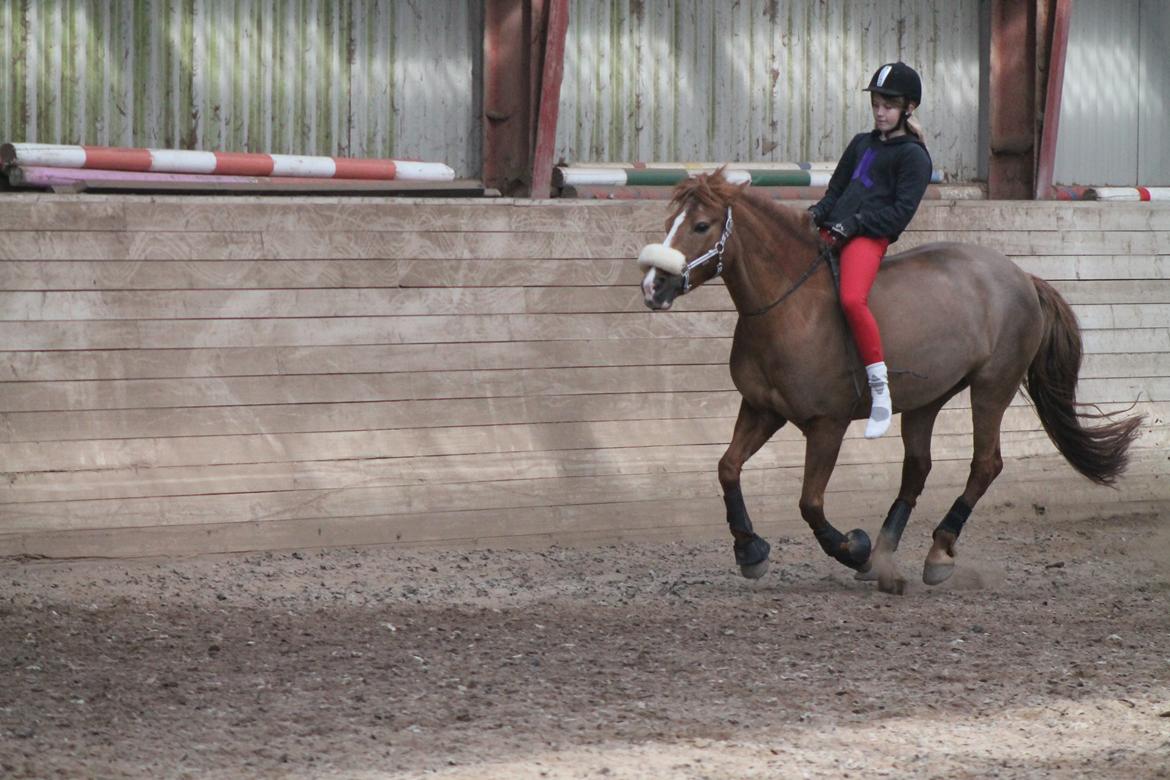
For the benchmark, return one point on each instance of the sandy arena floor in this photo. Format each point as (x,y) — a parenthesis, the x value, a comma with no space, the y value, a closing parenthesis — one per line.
(1047,655)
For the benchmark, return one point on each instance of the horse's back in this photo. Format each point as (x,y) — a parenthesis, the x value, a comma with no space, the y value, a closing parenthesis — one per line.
(945,309)
(961,277)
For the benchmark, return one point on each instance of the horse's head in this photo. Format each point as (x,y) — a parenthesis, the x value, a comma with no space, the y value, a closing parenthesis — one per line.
(696,236)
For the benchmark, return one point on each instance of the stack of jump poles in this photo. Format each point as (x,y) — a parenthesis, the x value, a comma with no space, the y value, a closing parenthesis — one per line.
(796,181)
(50,165)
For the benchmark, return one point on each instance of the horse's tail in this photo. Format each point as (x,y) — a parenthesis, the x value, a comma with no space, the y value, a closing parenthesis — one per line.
(1101,452)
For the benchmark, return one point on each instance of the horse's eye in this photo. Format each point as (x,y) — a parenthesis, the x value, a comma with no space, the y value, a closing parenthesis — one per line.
(701,227)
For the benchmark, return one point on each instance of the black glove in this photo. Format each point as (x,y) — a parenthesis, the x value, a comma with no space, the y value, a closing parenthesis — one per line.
(841,232)
(818,219)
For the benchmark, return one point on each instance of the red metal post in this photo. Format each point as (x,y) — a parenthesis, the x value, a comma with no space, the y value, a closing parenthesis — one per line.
(1011,164)
(1057,52)
(507,110)
(550,97)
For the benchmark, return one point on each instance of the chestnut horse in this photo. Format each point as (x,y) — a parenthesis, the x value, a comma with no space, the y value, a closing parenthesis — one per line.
(953,316)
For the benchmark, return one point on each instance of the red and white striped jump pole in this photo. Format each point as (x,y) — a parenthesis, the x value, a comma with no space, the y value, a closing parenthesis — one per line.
(221,163)
(1128,193)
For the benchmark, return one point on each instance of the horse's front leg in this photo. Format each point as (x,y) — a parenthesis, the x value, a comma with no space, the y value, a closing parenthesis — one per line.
(822,444)
(753,427)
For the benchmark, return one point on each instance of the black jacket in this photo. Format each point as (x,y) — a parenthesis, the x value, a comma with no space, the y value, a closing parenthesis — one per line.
(877,186)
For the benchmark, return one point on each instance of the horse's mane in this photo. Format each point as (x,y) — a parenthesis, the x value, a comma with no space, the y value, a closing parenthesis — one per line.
(714,190)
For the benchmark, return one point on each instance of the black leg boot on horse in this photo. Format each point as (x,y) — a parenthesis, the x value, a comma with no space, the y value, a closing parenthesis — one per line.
(753,428)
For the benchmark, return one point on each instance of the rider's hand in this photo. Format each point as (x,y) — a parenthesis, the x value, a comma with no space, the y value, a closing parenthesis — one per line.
(841,232)
(818,219)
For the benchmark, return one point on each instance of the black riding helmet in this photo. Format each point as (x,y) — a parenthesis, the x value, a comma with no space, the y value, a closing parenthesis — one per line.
(896,79)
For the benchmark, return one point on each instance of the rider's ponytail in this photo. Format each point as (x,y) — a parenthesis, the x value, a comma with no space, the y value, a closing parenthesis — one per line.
(914,127)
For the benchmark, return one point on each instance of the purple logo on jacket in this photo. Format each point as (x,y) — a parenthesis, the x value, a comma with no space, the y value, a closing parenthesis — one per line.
(862,169)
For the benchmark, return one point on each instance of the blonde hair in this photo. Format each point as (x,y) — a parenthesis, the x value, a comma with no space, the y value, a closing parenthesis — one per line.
(915,127)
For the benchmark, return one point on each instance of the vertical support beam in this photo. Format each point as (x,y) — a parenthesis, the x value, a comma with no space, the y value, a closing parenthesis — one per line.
(550,97)
(1012,160)
(1057,53)
(507,95)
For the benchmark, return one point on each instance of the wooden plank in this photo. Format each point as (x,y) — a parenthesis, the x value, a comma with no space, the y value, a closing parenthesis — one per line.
(519,272)
(297,245)
(1143,340)
(292,245)
(267,361)
(1127,350)
(366,302)
(339,331)
(448,471)
(197,274)
(320,213)
(359,415)
(1051,485)
(196,540)
(252,304)
(356,416)
(505,272)
(1078,267)
(1101,377)
(323,213)
(479,497)
(107,245)
(438,329)
(1054,242)
(542,526)
(456,440)
(342,388)
(502,272)
(1088,292)
(368,416)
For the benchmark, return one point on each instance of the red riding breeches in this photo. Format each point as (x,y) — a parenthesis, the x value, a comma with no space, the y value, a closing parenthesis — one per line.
(860,259)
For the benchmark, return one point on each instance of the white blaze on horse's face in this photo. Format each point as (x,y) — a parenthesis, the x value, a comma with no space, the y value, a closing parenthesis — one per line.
(657,258)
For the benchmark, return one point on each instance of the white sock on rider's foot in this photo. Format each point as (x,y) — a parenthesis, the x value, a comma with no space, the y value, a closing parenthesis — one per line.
(881,408)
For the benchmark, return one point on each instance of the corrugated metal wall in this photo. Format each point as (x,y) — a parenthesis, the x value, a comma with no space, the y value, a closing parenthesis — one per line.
(353,77)
(750,80)
(1115,109)
(780,80)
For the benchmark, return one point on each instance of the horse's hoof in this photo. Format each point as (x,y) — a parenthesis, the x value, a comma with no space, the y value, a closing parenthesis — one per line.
(755,570)
(859,549)
(894,585)
(936,573)
(865,574)
(881,567)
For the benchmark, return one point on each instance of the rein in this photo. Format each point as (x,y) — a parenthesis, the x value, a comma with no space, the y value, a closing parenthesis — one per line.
(822,256)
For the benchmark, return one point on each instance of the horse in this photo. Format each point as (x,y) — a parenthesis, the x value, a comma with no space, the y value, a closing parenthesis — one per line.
(953,317)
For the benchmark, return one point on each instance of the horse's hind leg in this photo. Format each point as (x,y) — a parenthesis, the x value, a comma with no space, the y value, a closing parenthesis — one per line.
(987,410)
(917,428)
(753,428)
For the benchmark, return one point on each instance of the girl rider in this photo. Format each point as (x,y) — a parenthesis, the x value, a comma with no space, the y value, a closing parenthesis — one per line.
(871,198)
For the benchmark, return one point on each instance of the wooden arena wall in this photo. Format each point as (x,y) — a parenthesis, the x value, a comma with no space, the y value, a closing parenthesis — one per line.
(191,375)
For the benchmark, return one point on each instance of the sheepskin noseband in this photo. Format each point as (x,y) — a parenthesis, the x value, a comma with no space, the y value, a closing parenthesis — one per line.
(663,258)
